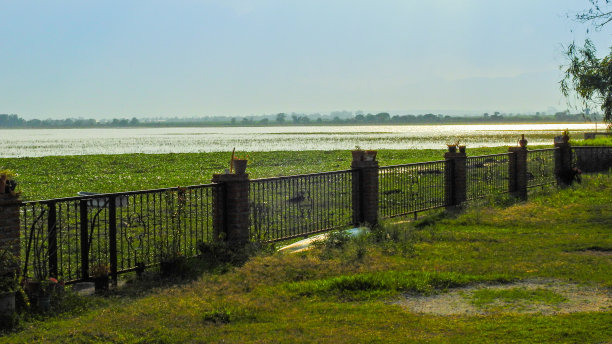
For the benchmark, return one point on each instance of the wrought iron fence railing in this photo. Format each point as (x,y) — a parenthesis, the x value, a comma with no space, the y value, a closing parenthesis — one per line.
(130,230)
(410,188)
(486,175)
(540,167)
(288,207)
(124,231)
(592,158)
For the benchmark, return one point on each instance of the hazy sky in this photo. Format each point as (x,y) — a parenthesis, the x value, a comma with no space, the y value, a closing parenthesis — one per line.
(238,57)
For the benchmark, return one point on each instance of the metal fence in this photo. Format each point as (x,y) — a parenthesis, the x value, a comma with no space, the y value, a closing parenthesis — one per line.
(486,175)
(540,167)
(409,188)
(67,237)
(125,231)
(592,158)
(288,207)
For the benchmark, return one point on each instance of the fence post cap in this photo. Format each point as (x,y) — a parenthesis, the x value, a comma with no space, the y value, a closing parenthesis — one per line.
(455,155)
(223,178)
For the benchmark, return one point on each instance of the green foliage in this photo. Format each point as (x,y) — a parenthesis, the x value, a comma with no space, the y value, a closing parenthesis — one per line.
(586,74)
(218,253)
(64,176)
(598,141)
(9,267)
(590,77)
(218,316)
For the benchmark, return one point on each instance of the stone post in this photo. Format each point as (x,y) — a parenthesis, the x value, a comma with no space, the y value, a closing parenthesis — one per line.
(517,172)
(365,192)
(231,219)
(9,226)
(563,162)
(455,178)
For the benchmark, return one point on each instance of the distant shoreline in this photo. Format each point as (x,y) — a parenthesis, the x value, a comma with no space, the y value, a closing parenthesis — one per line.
(312,124)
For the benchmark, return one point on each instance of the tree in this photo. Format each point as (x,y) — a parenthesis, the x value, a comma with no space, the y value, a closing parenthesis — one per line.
(280,118)
(599,14)
(383,117)
(586,74)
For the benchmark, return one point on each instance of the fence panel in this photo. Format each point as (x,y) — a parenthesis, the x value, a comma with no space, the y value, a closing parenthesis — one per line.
(409,188)
(540,167)
(288,207)
(50,239)
(486,175)
(64,237)
(592,158)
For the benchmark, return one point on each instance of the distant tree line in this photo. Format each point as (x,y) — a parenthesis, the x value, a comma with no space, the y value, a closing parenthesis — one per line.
(14,121)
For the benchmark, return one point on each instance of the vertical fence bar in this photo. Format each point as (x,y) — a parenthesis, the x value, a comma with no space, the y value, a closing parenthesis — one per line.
(84,240)
(112,237)
(52,239)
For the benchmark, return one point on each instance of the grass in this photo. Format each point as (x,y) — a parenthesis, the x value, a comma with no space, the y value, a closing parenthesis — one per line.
(343,292)
(598,141)
(367,286)
(64,176)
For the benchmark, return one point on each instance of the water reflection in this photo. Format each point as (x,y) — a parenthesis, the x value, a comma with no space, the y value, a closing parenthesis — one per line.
(41,142)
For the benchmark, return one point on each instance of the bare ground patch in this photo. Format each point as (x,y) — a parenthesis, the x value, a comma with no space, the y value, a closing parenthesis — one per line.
(595,253)
(570,298)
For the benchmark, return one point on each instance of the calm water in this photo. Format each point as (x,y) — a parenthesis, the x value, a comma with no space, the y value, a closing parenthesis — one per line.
(42,142)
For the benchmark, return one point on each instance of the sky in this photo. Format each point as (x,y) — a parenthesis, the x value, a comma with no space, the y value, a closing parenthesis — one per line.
(105,59)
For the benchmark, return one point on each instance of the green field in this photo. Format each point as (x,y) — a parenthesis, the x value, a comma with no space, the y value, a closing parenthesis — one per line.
(63,176)
(525,272)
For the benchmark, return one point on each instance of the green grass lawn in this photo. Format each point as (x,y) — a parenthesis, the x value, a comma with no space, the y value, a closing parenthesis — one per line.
(346,292)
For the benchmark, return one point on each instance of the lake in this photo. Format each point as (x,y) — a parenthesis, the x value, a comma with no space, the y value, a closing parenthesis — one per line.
(43,142)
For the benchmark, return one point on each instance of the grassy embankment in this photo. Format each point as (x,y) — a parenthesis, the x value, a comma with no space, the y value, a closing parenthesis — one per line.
(345,293)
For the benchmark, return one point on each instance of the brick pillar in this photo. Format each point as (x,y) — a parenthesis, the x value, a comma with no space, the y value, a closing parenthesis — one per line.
(231,219)
(563,161)
(455,178)
(517,172)
(365,192)
(9,225)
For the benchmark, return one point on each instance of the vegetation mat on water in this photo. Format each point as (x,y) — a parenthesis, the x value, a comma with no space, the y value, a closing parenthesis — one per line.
(64,176)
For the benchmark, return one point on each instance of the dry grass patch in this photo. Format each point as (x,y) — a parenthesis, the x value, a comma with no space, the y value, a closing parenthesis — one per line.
(536,296)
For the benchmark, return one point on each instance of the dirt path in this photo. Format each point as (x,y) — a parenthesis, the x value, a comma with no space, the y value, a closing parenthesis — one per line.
(521,297)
